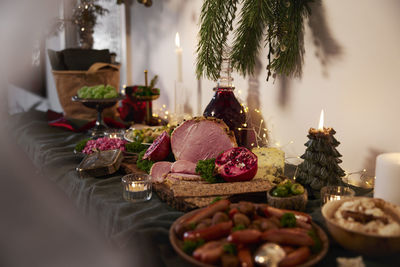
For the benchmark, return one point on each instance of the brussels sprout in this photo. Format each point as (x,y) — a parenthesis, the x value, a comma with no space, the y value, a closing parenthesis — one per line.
(297,189)
(280,191)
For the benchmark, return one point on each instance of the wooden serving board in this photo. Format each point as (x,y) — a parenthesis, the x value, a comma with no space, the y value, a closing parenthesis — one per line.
(189,195)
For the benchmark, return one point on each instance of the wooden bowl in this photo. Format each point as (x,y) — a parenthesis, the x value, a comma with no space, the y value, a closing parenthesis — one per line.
(177,244)
(297,202)
(363,243)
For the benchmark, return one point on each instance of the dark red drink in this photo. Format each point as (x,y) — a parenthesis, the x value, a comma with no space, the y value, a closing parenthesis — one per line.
(225,106)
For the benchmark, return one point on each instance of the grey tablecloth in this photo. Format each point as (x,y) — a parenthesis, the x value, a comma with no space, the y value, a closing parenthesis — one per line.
(141,228)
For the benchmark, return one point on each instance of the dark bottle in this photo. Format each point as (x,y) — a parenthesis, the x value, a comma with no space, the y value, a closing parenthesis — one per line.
(225,106)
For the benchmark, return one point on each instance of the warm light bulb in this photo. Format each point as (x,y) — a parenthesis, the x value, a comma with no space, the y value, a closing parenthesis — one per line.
(321,121)
(177,40)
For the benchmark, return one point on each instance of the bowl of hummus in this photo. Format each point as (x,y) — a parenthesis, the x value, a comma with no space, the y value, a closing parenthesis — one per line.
(369,226)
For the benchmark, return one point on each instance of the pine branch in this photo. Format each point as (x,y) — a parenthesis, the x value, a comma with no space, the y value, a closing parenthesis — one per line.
(247,43)
(279,24)
(216,21)
(286,36)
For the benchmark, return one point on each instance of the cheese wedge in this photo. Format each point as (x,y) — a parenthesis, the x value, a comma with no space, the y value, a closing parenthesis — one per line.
(271,162)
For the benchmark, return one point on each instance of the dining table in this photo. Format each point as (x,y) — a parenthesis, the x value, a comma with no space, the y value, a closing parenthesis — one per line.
(141,228)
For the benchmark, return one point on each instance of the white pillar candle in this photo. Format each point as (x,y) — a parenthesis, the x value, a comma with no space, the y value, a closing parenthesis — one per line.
(178,52)
(387,182)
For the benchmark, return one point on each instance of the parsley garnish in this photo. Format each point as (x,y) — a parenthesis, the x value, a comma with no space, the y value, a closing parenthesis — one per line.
(206,169)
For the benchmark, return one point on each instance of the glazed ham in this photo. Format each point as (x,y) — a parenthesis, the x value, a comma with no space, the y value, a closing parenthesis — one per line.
(200,139)
(183,166)
(159,171)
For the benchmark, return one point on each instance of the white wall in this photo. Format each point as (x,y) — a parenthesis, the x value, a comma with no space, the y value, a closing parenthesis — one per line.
(359,86)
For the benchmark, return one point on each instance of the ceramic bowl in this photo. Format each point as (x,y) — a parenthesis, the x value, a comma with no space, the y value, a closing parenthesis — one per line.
(363,243)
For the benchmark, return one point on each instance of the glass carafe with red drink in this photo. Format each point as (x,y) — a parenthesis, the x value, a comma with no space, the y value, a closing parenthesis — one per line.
(224,104)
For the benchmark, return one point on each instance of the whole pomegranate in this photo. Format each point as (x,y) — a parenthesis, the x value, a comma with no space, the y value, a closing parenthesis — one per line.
(237,164)
(159,149)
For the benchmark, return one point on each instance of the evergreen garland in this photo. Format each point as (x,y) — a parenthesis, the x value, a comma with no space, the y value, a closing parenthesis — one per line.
(278,24)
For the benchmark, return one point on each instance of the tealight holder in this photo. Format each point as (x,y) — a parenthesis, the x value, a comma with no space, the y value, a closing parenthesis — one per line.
(136,187)
(332,193)
(115,133)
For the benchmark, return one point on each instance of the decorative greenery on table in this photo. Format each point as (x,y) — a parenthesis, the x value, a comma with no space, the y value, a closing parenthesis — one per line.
(206,169)
(275,24)
(144,164)
(144,91)
(135,147)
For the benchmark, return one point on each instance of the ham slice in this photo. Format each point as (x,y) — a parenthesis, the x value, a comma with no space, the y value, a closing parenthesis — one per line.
(159,171)
(201,138)
(183,166)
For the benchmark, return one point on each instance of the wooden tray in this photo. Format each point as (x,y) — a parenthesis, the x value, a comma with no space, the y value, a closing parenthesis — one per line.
(177,244)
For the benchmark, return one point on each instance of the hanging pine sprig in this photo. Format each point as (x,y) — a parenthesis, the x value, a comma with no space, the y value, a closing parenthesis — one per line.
(286,36)
(216,21)
(276,24)
(249,35)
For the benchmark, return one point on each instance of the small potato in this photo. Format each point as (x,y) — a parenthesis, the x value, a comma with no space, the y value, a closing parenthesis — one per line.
(201,226)
(233,205)
(204,224)
(241,219)
(256,224)
(246,208)
(219,217)
(267,224)
(229,260)
(275,221)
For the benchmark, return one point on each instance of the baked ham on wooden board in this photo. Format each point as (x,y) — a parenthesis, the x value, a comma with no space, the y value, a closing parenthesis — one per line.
(201,138)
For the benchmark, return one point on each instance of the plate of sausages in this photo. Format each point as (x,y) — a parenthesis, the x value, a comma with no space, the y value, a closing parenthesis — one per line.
(230,234)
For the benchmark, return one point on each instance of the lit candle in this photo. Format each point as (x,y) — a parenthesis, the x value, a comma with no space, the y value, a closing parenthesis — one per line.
(178,52)
(134,187)
(387,182)
(321,121)
(321,130)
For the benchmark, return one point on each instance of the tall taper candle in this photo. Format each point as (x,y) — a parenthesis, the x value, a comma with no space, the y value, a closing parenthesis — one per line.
(178,52)
(387,181)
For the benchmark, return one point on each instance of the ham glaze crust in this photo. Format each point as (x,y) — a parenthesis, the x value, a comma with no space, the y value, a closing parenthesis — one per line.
(201,138)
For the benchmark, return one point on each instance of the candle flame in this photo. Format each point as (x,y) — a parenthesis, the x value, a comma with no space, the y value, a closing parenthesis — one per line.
(177,40)
(321,121)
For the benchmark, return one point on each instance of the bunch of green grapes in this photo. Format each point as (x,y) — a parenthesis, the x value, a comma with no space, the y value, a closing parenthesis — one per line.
(98,92)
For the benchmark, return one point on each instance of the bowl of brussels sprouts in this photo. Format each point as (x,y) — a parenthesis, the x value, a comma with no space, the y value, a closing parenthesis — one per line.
(288,195)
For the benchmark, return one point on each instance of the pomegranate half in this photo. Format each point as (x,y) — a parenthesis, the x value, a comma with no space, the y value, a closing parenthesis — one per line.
(159,149)
(237,164)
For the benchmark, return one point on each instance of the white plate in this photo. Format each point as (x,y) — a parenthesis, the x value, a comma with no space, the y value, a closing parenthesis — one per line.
(138,127)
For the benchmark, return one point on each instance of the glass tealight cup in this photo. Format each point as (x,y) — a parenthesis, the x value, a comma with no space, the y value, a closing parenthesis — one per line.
(136,187)
(332,193)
